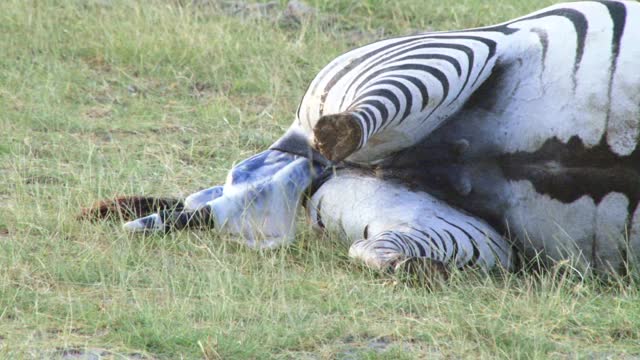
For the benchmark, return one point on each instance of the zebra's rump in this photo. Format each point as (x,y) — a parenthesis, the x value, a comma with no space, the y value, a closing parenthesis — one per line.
(567,70)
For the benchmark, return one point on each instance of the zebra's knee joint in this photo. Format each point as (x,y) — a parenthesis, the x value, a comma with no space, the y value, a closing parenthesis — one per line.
(375,254)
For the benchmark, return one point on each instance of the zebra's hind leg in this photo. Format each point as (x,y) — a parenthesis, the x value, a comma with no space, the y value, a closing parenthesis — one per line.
(401,229)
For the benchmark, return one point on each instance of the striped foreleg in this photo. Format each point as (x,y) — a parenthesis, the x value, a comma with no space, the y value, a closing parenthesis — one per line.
(392,224)
(454,242)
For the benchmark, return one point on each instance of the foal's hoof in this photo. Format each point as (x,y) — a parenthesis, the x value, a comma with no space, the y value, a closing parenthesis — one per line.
(421,271)
(337,136)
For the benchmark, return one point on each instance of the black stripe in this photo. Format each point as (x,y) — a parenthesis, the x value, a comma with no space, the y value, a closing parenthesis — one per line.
(543,37)
(618,13)
(459,47)
(476,254)
(491,240)
(384,93)
(372,117)
(474,245)
(424,92)
(391,237)
(444,244)
(367,119)
(421,248)
(454,253)
(437,45)
(378,105)
(580,24)
(384,247)
(298,110)
(592,171)
(450,59)
(407,248)
(439,254)
(447,58)
(368,108)
(428,237)
(490,44)
(433,71)
(405,91)
(455,226)
(357,61)
(503,29)
(440,45)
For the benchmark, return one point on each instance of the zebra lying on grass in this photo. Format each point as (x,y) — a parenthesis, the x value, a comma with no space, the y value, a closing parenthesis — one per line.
(433,146)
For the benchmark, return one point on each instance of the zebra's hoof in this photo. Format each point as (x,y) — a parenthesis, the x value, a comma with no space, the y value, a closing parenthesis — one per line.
(422,272)
(337,136)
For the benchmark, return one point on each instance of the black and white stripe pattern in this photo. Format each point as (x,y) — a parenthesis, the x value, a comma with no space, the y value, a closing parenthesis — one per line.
(413,84)
(390,223)
(548,106)
(531,125)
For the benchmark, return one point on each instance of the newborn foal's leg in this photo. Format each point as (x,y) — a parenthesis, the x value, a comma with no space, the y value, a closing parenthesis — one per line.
(389,225)
(193,213)
(200,199)
(258,202)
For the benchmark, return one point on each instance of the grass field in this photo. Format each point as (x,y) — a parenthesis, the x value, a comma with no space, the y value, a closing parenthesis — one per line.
(104,97)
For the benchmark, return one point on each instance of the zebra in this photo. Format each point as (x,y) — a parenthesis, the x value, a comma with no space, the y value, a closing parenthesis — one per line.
(459,147)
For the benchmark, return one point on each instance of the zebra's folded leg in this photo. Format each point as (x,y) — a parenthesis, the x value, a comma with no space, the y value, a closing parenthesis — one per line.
(405,224)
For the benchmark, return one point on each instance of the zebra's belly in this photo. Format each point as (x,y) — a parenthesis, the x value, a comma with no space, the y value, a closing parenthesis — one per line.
(586,213)
(562,201)
(552,160)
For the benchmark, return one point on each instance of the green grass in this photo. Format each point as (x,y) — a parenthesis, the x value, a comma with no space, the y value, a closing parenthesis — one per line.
(99,98)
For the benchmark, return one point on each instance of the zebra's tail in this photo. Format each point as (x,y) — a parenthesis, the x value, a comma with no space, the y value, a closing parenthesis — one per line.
(129,208)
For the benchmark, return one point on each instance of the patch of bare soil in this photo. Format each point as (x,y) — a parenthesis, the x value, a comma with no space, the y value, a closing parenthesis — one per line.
(353,348)
(95,354)
(293,14)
